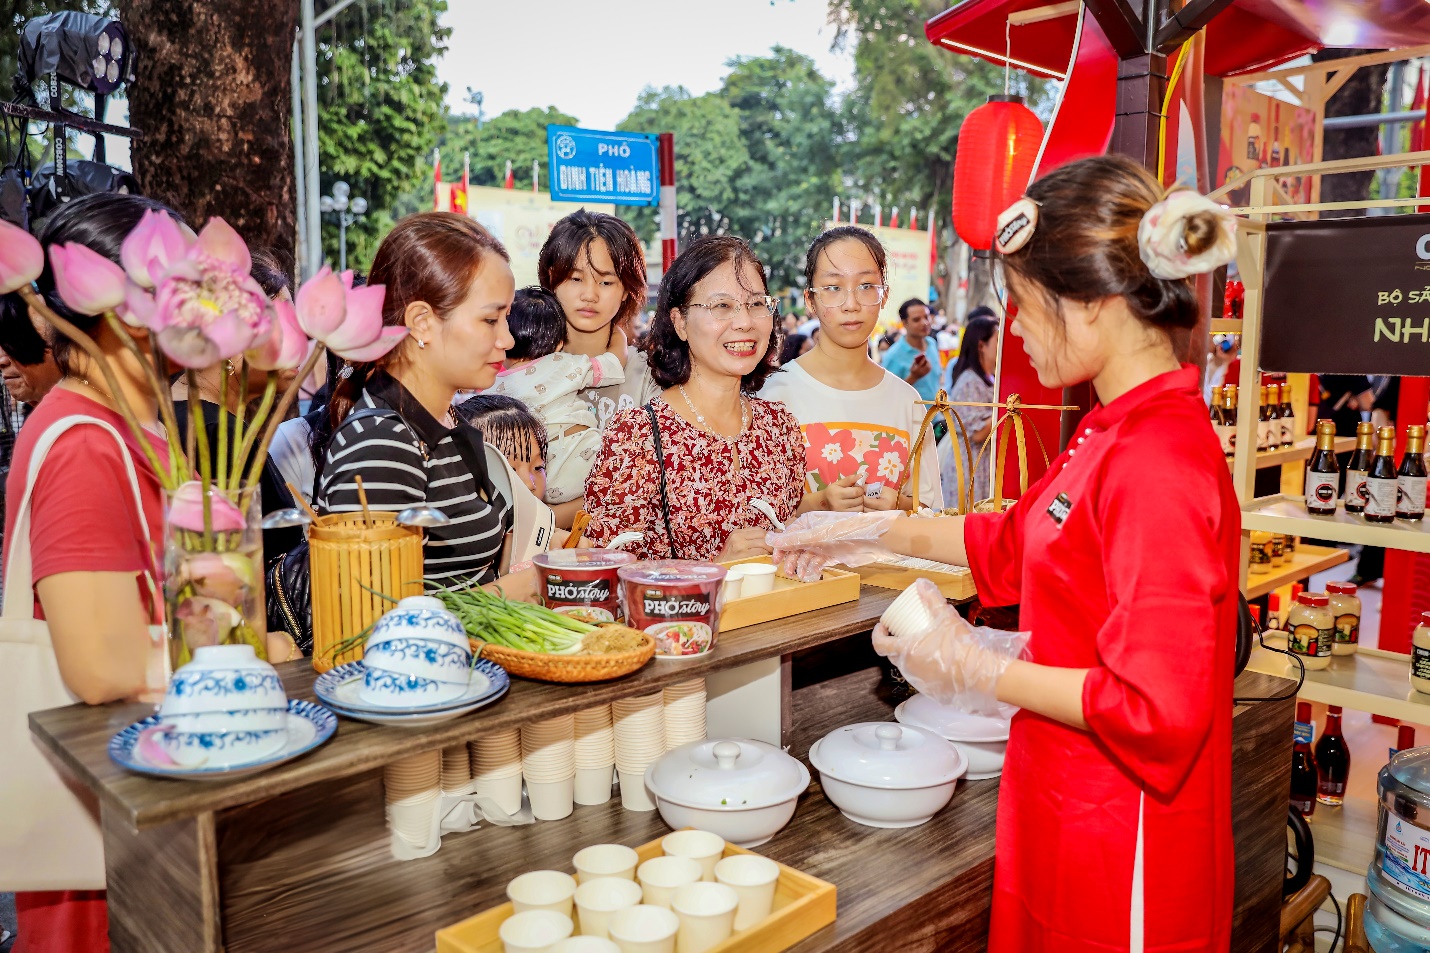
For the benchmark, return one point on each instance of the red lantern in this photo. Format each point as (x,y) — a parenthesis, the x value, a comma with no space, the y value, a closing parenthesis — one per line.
(997,147)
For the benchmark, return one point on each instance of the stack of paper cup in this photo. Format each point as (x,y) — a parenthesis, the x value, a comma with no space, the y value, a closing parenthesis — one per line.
(496,764)
(412,787)
(595,755)
(684,713)
(548,762)
(456,768)
(640,742)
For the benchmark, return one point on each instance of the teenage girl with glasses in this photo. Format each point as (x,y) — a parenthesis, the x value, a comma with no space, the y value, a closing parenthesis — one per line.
(859,420)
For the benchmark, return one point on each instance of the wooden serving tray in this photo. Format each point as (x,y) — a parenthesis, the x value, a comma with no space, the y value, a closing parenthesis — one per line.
(788,597)
(803,906)
(956,584)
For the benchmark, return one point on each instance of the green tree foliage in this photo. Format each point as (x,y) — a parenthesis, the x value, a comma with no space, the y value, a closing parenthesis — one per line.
(381,110)
(710,157)
(518,135)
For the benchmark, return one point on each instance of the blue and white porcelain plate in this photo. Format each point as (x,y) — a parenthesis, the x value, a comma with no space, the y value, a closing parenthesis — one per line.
(339,688)
(309,725)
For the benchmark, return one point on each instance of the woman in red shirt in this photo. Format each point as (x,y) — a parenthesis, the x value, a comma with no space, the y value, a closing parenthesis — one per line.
(1123,559)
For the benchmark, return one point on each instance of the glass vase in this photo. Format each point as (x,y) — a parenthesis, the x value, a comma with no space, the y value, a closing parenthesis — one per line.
(213,577)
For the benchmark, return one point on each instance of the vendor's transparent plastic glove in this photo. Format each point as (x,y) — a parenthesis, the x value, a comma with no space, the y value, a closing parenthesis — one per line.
(951,661)
(816,540)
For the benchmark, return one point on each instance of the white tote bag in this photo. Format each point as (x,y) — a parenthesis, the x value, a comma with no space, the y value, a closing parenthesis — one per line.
(50,836)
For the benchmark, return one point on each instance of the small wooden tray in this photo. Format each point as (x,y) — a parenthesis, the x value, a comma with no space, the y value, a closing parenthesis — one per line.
(956,584)
(788,597)
(803,906)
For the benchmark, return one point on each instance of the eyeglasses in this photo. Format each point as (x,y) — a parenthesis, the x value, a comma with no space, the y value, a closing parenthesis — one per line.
(725,307)
(866,294)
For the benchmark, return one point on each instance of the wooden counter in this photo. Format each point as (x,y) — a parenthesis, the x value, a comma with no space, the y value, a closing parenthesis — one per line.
(297,858)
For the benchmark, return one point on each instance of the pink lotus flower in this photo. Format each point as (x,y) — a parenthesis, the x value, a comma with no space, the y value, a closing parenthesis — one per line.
(286,345)
(156,245)
(88,283)
(207,307)
(347,320)
(186,510)
(21,258)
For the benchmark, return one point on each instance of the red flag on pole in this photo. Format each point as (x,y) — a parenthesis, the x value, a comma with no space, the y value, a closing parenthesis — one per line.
(436,179)
(894,219)
(914,218)
(510,177)
(933,243)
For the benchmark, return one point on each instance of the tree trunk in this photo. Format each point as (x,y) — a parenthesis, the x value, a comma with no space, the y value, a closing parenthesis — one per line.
(1361,94)
(213,99)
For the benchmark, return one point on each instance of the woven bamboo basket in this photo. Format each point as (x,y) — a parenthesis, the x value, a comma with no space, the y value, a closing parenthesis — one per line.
(568,668)
(349,556)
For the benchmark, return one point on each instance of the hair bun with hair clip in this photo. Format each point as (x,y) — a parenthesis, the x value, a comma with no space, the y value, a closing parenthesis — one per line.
(1186,234)
(1016,225)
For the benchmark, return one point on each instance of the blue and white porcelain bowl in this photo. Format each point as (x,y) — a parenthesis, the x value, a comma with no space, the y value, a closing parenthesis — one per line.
(221,749)
(388,689)
(438,661)
(242,719)
(419,617)
(223,678)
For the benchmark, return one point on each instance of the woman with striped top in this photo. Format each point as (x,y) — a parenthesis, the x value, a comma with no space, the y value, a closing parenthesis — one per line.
(449,283)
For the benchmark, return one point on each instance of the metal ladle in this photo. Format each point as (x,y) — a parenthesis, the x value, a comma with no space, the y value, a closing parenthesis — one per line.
(281,519)
(423,516)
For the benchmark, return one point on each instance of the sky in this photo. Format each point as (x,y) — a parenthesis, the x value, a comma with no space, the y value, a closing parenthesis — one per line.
(591,58)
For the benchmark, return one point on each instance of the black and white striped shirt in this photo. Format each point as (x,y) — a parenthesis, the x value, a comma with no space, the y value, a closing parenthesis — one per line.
(407,458)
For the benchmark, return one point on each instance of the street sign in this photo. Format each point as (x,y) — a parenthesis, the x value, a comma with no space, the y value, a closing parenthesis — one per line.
(592,166)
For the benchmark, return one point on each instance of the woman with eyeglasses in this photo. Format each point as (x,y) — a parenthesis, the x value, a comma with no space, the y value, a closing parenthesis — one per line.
(683,468)
(859,420)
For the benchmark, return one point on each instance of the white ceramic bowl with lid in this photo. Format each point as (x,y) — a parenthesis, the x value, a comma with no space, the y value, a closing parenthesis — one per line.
(745,791)
(983,739)
(882,774)
(419,617)
(224,678)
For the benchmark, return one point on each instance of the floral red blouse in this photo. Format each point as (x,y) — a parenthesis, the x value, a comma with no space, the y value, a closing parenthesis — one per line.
(707,502)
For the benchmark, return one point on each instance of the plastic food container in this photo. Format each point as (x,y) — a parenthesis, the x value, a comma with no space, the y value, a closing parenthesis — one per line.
(982,739)
(677,601)
(582,582)
(745,791)
(887,775)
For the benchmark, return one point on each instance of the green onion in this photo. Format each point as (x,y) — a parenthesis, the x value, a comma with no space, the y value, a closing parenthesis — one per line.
(514,625)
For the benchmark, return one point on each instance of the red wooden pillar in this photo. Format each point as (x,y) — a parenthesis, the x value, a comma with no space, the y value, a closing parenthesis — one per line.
(1405,592)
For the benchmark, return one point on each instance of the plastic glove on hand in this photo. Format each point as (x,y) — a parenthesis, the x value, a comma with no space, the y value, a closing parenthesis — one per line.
(951,661)
(817,539)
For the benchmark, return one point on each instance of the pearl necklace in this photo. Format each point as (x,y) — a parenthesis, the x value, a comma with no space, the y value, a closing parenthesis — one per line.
(729,441)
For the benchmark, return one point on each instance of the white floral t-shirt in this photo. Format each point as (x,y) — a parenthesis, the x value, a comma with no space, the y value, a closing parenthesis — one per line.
(866,432)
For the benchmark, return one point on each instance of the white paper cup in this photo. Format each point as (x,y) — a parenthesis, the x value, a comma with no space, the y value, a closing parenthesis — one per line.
(593,785)
(551,800)
(586,944)
(534,931)
(757,579)
(634,796)
(660,876)
(542,890)
(753,879)
(645,929)
(906,615)
(707,916)
(703,847)
(599,898)
(605,860)
(506,792)
(730,588)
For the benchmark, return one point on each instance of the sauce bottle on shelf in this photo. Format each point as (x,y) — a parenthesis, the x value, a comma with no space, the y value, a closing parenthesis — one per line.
(1224,418)
(1310,630)
(1381,483)
(1323,484)
(1260,552)
(1278,550)
(1410,480)
(1263,422)
(1274,617)
(1359,467)
(1345,606)
(1404,738)
(1420,655)
(1304,780)
(1288,418)
(1333,761)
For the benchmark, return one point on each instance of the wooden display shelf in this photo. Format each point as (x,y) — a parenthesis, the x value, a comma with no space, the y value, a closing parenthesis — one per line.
(1345,835)
(1372,681)
(1308,561)
(956,584)
(1226,326)
(1287,515)
(1298,451)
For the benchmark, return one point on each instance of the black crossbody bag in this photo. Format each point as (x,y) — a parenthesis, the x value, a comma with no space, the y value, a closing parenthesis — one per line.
(660,465)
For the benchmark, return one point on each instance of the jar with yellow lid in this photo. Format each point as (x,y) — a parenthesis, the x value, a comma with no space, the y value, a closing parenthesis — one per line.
(1260,552)
(1311,629)
(1345,607)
